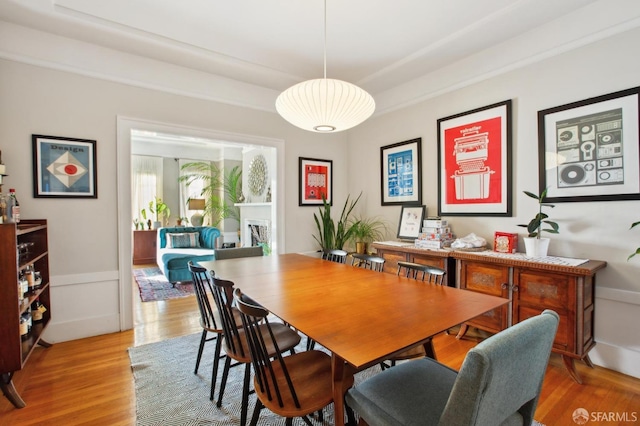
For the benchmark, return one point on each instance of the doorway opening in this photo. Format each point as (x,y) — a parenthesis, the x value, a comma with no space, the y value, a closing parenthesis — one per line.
(126,127)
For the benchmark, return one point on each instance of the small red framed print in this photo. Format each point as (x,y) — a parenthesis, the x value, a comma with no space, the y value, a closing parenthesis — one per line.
(316,181)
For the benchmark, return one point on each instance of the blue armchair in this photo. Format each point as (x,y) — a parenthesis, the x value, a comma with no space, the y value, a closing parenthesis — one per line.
(173,260)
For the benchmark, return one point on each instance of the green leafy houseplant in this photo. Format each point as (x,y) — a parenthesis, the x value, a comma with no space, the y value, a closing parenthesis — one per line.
(222,189)
(633,225)
(158,208)
(366,230)
(535,226)
(332,235)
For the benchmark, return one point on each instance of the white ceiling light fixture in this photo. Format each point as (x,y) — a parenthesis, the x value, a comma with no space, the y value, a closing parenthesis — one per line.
(325,104)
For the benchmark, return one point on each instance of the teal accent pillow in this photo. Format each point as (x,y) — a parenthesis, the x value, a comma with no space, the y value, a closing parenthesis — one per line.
(183,240)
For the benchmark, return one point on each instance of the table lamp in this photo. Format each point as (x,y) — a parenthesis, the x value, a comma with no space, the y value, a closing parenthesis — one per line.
(196,204)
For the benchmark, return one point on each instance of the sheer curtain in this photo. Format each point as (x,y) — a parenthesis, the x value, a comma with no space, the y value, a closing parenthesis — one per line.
(194,190)
(146,183)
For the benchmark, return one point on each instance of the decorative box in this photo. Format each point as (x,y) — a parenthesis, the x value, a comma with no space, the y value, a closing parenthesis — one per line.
(505,242)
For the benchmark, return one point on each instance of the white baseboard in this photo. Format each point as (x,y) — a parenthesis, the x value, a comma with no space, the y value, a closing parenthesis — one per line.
(617,346)
(616,358)
(81,328)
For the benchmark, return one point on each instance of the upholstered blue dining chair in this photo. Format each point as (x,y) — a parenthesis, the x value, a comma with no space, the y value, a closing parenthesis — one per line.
(499,383)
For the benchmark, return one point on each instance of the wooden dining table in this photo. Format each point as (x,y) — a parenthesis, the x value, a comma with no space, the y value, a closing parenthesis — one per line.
(361,316)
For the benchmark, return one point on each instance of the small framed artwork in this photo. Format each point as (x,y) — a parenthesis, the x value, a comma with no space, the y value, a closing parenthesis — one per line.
(411,218)
(401,173)
(474,162)
(589,151)
(316,181)
(64,167)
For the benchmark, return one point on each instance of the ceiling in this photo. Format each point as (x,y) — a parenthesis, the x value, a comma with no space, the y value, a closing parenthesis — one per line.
(398,50)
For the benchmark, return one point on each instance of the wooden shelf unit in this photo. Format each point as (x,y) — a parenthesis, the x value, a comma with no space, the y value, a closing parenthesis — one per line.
(14,351)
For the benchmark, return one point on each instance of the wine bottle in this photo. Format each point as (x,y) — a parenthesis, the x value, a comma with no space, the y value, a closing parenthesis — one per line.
(13,207)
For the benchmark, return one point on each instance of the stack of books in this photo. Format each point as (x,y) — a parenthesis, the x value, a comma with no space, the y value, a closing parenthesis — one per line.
(435,233)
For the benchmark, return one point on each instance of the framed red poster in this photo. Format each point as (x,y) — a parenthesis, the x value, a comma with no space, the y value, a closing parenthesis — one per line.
(474,162)
(316,181)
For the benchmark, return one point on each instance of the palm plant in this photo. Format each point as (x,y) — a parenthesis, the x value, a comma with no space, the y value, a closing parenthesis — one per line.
(331,235)
(222,189)
(535,226)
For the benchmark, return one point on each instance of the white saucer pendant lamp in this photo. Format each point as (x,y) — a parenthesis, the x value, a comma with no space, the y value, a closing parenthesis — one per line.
(325,104)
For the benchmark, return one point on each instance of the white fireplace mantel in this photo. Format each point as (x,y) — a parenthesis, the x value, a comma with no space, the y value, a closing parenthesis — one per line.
(254,214)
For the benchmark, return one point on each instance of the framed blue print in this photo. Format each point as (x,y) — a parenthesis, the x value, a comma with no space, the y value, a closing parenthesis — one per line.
(401,173)
(64,167)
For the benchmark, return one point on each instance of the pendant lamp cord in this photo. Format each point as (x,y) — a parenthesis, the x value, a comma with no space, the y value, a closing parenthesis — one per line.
(325,39)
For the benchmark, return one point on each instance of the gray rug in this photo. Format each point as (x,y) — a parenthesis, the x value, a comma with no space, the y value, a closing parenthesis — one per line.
(168,393)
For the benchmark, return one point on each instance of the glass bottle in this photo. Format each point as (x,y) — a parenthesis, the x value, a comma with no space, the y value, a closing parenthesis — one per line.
(13,207)
(24,327)
(30,275)
(23,284)
(37,311)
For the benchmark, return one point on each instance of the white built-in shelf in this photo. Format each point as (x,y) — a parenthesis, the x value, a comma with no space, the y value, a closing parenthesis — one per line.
(251,204)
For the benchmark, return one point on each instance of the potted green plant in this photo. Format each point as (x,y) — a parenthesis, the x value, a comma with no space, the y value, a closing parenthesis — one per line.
(332,235)
(222,189)
(638,249)
(535,244)
(158,208)
(365,230)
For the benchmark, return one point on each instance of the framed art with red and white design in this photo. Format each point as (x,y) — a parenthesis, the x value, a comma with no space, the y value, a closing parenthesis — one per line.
(315,180)
(474,162)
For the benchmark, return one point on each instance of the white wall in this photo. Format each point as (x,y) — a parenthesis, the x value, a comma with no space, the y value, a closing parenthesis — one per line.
(595,230)
(83,234)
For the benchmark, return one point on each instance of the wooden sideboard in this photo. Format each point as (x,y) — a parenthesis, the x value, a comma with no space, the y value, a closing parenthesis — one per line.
(530,286)
(144,247)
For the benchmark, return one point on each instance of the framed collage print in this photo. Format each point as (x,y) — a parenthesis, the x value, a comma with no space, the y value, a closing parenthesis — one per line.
(589,151)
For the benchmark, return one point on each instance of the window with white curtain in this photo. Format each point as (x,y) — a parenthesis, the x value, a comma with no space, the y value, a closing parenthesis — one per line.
(146,184)
(193,190)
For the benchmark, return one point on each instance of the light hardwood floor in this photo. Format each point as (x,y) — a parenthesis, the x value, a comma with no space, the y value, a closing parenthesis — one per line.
(89,381)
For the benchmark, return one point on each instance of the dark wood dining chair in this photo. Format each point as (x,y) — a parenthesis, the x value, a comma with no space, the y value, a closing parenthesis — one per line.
(236,345)
(368,261)
(418,271)
(289,386)
(335,255)
(429,274)
(210,320)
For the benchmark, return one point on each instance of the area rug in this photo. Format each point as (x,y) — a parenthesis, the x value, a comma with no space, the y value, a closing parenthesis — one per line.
(153,285)
(168,393)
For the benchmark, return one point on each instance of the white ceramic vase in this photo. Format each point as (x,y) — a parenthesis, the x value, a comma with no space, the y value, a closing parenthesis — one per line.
(536,247)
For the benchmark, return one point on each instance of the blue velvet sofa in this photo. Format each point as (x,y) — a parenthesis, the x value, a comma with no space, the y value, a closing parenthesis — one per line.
(173,260)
